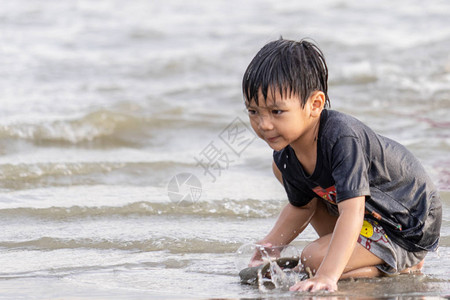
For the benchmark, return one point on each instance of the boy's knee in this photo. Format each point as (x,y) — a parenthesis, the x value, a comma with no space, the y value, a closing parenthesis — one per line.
(311,257)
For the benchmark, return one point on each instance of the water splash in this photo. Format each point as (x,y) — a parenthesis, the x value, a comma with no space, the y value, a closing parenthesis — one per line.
(276,266)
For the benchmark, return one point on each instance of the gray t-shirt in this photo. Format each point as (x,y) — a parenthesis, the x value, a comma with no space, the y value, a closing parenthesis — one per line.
(352,161)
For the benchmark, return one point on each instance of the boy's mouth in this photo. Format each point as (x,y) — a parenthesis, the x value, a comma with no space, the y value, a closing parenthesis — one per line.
(272,139)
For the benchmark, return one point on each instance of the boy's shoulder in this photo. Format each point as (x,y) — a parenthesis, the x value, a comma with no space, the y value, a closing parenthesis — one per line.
(335,125)
(336,118)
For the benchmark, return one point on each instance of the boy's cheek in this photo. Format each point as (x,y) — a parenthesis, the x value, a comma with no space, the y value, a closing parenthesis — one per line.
(254,127)
(258,134)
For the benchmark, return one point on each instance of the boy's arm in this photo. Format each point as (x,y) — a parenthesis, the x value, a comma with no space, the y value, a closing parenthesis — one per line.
(343,241)
(290,223)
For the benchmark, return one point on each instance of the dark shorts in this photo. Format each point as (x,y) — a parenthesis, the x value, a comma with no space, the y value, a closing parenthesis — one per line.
(374,239)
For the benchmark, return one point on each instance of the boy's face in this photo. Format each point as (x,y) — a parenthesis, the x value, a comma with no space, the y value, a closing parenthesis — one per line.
(282,121)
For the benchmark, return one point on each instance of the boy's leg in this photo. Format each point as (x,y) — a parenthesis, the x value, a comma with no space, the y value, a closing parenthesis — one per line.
(362,262)
(322,220)
(414,269)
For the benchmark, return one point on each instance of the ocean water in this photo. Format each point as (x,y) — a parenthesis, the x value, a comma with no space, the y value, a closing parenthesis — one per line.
(108,107)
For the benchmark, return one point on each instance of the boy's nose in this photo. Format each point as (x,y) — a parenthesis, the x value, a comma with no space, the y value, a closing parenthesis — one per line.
(265,123)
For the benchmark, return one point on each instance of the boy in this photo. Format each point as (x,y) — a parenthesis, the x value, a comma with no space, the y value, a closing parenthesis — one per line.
(367,197)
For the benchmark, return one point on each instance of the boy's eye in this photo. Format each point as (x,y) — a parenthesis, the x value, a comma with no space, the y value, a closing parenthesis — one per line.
(251,112)
(277,112)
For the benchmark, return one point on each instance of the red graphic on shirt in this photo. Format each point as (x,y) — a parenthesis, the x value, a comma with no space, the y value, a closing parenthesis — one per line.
(328,194)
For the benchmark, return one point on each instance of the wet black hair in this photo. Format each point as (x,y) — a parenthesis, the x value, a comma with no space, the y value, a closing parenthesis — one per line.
(288,67)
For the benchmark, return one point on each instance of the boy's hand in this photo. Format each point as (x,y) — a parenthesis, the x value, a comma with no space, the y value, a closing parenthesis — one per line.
(257,258)
(315,284)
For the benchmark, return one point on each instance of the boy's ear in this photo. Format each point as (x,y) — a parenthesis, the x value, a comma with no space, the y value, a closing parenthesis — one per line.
(317,102)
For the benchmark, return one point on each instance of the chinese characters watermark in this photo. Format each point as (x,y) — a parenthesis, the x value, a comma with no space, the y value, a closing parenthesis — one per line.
(185,188)
(214,159)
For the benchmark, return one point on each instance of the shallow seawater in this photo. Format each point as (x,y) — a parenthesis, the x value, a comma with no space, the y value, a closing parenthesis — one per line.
(108,107)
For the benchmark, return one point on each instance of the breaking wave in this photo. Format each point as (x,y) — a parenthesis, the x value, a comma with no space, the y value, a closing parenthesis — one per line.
(173,245)
(104,125)
(219,208)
